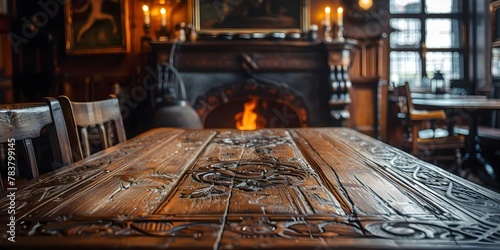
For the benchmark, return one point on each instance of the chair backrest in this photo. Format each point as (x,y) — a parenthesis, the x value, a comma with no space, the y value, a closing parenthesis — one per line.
(20,123)
(403,95)
(84,117)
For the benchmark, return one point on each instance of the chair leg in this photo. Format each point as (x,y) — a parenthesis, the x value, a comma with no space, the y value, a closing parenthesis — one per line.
(30,157)
(85,141)
(414,141)
(458,161)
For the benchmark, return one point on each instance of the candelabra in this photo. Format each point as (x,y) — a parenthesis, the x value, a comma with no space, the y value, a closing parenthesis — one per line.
(328,28)
(163,34)
(162,10)
(340,33)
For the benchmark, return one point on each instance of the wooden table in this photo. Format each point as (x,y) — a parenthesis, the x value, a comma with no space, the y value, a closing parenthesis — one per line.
(310,188)
(468,109)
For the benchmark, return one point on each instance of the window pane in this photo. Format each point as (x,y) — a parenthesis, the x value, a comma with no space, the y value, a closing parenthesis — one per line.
(449,63)
(405,67)
(495,62)
(407,34)
(405,6)
(443,6)
(442,33)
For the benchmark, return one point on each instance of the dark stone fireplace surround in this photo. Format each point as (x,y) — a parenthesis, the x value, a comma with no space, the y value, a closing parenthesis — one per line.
(310,78)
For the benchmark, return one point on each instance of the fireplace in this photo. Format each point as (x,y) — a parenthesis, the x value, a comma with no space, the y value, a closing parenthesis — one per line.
(264,104)
(266,83)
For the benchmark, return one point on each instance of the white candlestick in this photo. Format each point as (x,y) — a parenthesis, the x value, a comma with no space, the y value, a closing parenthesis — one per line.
(340,13)
(147,19)
(327,16)
(163,17)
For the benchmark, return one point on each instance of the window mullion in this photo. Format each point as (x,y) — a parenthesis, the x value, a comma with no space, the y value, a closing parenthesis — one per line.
(423,46)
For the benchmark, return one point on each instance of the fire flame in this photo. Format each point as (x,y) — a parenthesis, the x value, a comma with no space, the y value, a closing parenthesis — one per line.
(247,120)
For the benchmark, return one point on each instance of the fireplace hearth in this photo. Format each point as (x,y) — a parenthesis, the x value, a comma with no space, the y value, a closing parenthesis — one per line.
(282,83)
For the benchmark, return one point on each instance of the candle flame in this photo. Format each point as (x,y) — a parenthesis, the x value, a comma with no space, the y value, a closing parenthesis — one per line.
(145,8)
(340,10)
(163,11)
(327,10)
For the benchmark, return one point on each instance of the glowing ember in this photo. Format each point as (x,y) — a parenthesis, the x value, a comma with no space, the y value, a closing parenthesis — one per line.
(247,120)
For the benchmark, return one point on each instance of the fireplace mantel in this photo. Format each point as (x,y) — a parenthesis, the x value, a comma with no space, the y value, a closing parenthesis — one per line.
(269,55)
(325,65)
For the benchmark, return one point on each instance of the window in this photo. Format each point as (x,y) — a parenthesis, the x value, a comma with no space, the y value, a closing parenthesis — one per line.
(426,37)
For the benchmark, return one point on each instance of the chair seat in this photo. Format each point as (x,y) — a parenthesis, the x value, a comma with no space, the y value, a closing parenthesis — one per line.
(424,115)
(441,142)
(444,141)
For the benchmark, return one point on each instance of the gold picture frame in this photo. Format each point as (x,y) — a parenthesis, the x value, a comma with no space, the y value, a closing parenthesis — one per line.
(97,27)
(250,16)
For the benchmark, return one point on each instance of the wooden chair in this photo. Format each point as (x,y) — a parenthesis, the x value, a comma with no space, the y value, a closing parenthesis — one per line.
(422,135)
(84,118)
(20,123)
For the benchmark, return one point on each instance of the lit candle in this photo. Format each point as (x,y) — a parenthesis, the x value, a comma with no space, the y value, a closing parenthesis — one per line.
(163,17)
(340,20)
(327,16)
(147,19)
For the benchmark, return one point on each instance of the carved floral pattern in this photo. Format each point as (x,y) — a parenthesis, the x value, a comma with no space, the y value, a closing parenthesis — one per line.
(267,139)
(416,230)
(250,175)
(475,223)
(58,181)
(442,183)
(291,228)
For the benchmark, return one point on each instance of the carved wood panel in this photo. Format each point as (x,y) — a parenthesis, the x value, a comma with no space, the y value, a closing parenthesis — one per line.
(272,188)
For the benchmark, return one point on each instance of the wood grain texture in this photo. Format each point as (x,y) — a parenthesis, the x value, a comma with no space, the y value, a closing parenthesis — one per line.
(305,188)
(23,120)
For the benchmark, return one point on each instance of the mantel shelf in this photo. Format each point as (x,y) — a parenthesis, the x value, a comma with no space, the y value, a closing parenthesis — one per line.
(258,44)
(270,56)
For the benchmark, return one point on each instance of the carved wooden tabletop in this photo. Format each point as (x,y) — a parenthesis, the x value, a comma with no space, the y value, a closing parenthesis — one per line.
(227,189)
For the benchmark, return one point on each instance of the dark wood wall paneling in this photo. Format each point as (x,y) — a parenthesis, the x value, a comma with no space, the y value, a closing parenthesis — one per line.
(5,62)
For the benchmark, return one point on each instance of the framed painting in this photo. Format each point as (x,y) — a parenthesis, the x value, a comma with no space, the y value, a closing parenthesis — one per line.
(246,16)
(96,26)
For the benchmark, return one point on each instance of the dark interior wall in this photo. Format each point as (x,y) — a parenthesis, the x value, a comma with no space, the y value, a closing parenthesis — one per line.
(43,67)
(33,49)
(123,68)
(480,37)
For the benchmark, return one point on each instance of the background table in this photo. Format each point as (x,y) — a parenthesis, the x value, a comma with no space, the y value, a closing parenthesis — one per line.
(468,109)
(445,96)
(275,188)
